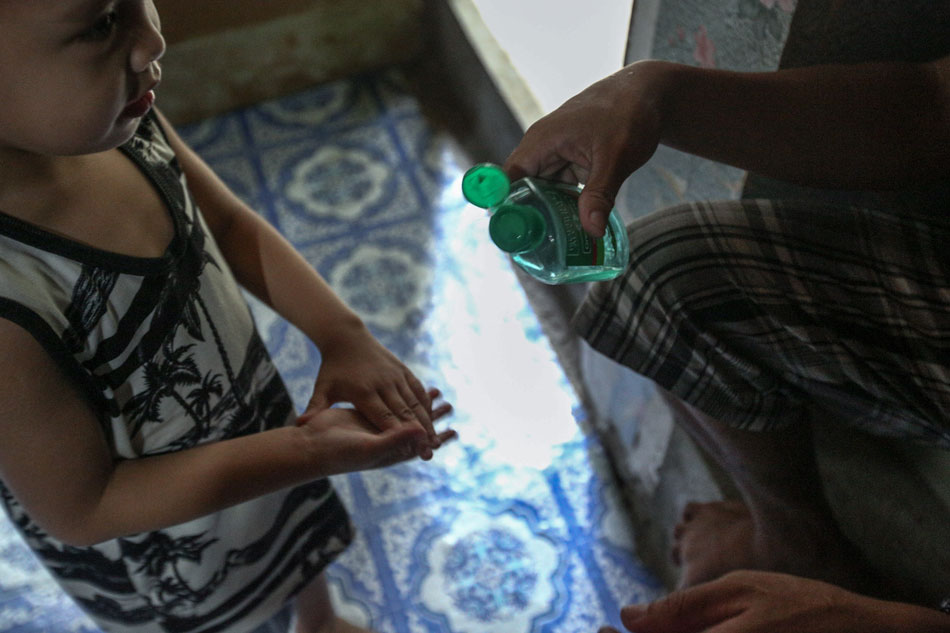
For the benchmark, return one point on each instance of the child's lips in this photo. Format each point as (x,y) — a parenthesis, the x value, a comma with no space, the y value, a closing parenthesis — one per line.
(140,106)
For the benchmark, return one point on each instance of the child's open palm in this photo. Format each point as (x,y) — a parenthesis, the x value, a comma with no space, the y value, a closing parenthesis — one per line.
(357,369)
(344,440)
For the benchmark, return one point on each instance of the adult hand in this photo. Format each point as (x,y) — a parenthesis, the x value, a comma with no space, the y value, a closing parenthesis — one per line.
(598,137)
(356,368)
(343,440)
(768,602)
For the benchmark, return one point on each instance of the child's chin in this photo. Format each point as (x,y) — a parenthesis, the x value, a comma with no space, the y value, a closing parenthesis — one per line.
(118,135)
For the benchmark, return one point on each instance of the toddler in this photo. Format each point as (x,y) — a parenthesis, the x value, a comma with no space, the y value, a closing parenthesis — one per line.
(151,456)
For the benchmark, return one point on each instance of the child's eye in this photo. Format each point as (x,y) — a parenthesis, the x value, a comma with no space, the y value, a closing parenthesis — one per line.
(103,27)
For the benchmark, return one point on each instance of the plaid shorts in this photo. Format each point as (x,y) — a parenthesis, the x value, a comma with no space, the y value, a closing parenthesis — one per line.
(764,314)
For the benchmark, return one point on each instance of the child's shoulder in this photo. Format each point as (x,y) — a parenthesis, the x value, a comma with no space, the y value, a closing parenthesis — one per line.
(113,201)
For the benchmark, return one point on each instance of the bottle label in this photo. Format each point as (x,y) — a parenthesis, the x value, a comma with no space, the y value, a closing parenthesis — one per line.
(582,249)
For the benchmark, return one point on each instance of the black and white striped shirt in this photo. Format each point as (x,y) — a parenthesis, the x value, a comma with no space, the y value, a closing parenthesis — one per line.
(166,351)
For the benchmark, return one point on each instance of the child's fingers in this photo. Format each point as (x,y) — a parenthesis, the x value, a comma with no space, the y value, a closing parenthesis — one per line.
(399,411)
(420,391)
(388,410)
(446,435)
(440,439)
(395,445)
(379,411)
(441,411)
(394,398)
(420,409)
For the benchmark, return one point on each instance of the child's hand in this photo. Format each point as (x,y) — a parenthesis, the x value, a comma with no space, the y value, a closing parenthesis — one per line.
(357,369)
(346,441)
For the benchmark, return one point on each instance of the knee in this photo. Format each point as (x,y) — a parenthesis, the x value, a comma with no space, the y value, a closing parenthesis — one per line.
(677,251)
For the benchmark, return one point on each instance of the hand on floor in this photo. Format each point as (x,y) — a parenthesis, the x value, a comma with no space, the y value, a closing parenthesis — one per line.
(768,602)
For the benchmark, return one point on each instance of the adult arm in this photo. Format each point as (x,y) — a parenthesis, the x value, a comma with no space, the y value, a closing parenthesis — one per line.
(766,602)
(863,126)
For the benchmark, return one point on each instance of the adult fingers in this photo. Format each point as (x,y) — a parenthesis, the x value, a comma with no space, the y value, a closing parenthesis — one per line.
(529,161)
(594,207)
(694,610)
(548,148)
(597,198)
(600,192)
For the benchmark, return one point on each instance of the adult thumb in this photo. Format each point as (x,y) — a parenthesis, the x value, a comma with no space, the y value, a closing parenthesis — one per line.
(691,610)
(597,198)
(594,207)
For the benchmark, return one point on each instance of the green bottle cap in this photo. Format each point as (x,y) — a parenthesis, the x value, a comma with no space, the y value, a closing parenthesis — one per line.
(515,228)
(485,185)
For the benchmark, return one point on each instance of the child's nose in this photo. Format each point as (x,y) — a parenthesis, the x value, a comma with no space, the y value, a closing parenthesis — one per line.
(149,45)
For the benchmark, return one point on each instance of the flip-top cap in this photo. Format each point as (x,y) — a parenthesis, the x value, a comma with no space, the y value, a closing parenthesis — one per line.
(485,185)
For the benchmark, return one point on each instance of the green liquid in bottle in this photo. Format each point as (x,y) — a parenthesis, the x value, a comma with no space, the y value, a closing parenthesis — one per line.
(537,222)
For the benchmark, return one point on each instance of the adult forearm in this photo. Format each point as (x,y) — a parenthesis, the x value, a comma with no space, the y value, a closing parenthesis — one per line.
(920,620)
(154,492)
(874,126)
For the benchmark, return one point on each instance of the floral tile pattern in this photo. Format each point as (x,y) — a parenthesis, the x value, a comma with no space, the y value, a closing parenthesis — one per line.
(515,527)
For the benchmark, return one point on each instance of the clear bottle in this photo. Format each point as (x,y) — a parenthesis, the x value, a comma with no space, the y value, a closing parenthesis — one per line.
(537,222)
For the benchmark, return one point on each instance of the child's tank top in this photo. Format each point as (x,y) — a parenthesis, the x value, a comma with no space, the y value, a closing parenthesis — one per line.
(166,352)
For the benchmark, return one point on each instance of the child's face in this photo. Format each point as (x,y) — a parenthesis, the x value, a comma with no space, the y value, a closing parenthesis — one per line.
(75,74)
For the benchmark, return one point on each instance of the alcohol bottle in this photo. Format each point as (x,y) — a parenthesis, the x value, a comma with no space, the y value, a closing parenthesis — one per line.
(537,222)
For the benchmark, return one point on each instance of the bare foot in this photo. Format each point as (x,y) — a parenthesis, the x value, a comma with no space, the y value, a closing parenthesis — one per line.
(715,538)
(712,539)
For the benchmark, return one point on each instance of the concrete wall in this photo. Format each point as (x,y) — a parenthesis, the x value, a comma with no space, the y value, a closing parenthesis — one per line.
(185,19)
(231,53)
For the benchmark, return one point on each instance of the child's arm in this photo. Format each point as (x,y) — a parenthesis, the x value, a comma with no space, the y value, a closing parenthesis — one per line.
(356,367)
(55,459)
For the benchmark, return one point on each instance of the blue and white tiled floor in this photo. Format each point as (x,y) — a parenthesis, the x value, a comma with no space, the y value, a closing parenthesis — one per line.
(515,527)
